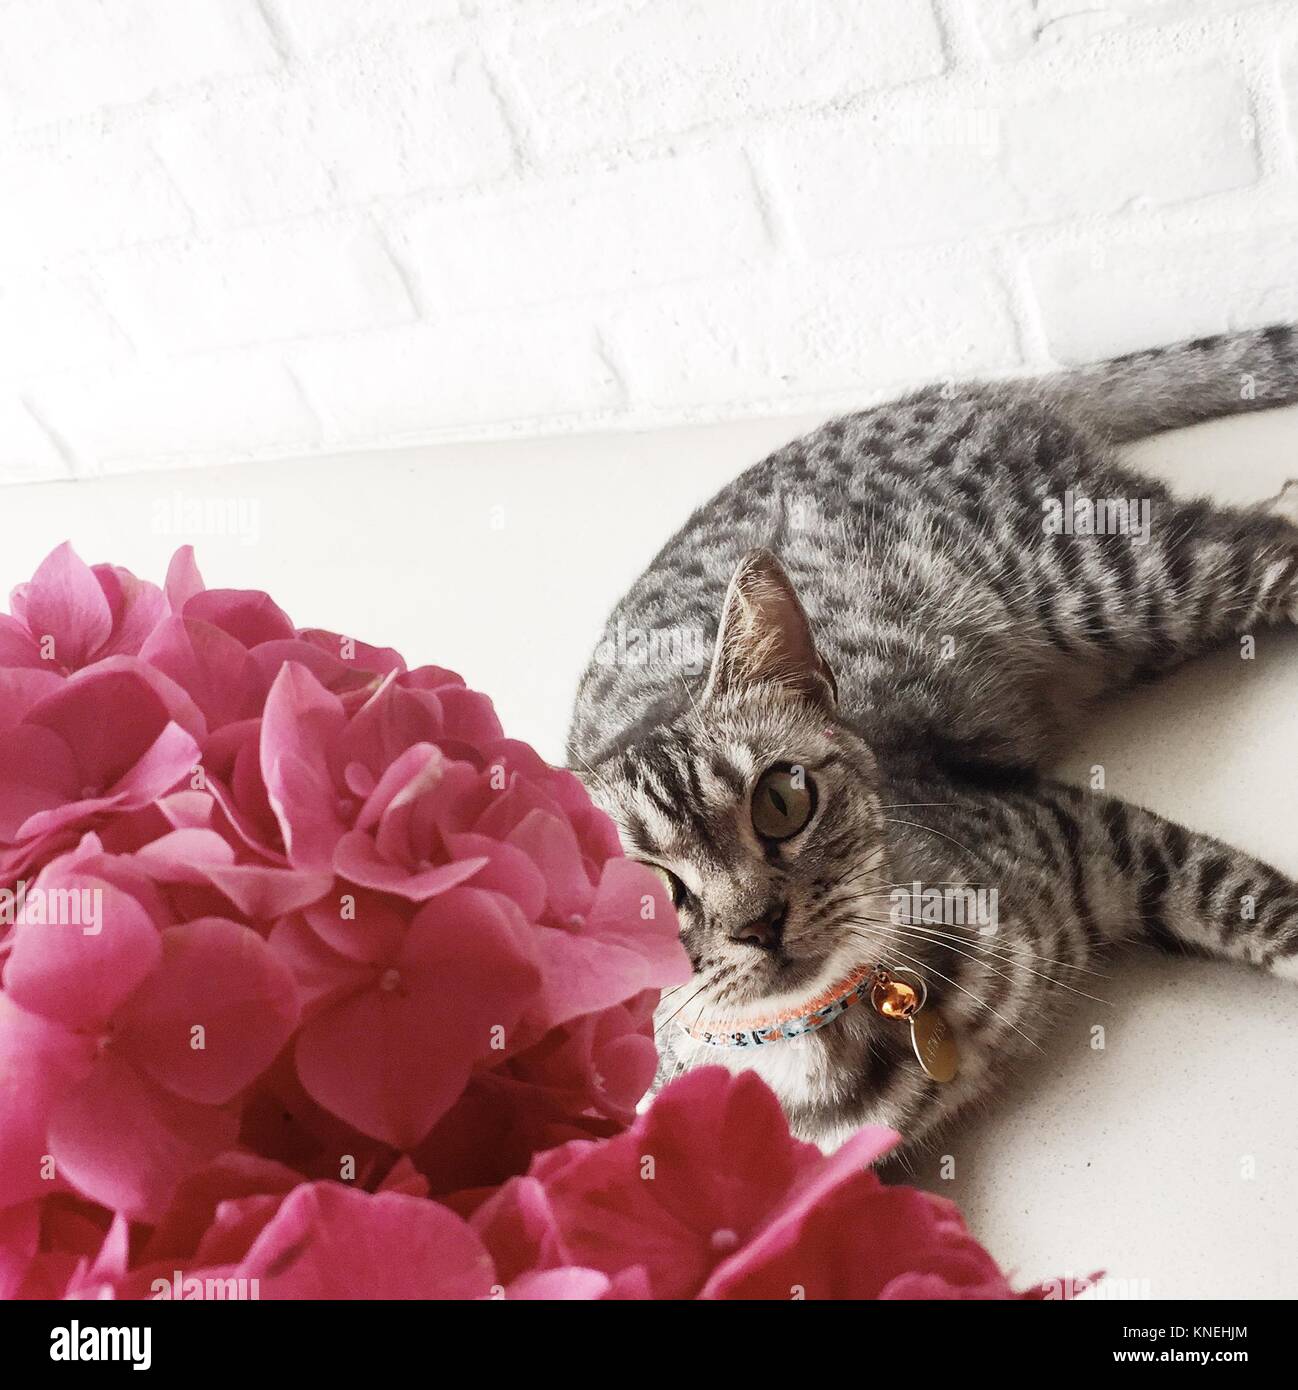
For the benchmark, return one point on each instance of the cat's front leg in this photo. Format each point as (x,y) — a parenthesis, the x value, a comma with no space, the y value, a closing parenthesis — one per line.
(1149,879)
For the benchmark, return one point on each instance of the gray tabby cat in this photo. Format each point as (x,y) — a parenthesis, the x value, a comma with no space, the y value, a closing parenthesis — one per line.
(905,632)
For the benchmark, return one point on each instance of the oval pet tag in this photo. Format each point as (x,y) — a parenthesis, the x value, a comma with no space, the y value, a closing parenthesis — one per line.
(934,1042)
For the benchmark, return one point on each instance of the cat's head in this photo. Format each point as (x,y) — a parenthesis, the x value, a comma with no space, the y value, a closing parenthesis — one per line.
(758,805)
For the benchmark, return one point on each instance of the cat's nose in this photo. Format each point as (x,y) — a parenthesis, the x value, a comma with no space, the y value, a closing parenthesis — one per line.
(765,931)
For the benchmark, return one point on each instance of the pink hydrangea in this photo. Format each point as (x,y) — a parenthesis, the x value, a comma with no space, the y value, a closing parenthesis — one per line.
(312,978)
(707,1195)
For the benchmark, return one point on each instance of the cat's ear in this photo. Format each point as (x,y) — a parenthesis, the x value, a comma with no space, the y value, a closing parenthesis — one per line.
(765,637)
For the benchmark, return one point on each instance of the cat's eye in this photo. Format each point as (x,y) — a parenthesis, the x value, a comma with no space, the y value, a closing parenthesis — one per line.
(783,802)
(675,888)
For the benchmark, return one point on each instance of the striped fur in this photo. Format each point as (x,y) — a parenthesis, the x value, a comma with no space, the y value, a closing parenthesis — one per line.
(964,638)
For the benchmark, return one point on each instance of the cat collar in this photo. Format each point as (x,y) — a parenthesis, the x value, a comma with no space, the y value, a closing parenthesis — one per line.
(896,994)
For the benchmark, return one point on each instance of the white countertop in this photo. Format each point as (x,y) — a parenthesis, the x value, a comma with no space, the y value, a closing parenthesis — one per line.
(1167,1158)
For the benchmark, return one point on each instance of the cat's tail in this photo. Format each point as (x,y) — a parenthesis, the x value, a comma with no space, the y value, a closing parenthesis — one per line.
(1165,388)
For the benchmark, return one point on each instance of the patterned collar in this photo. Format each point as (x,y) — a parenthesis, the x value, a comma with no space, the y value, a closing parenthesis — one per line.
(793,1022)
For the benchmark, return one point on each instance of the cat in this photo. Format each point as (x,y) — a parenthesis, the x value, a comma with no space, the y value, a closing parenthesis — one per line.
(907,611)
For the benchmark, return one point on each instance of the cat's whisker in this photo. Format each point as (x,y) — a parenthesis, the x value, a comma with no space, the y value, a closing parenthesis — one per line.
(905,933)
(866,895)
(893,820)
(689,695)
(998,947)
(666,1022)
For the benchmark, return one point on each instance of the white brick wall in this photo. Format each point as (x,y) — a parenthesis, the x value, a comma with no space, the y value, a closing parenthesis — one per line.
(261,228)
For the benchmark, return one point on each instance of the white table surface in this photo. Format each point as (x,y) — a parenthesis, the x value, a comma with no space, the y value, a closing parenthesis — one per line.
(501,561)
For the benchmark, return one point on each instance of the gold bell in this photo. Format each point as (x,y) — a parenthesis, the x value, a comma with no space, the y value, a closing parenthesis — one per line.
(894,998)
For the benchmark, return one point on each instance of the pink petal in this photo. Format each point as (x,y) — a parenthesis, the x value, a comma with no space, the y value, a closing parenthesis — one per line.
(585,974)
(221,977)
(73,974)
(322,976)
(175,701)
(378,659)
(551,845)
(40,1062)
(172,756)
(329,1241)
(626,1067)
(53,827)
(210,665)
(724,1162)
(200,856)
(507,870)
(518,1226)
(107,717)
(469,716)
(228,1176)
(136,605)
(336,676)
(391,1059)
(300,727)
(184,856)
(263,892)
(247,615)
(362,926)
(565,1284)
(783,1231)
(20,689)
(188,810)
(124,1141)
(64,601)
(632,911)
(403,1176)
(183,579)
(413,773)
(20,1229)
(305,802)
(37,773)
(235,1225)
(391,721)
(357,860)
(18,648)
(109,1266)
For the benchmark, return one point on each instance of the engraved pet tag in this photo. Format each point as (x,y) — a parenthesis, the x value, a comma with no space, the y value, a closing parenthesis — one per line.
(933,1039)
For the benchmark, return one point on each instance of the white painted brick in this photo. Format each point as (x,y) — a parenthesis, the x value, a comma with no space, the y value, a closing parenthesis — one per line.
(96,190)
(50,322)
(290,281)
(611,74)
(649,224)
(797,331)
(926,174)
(1102,300)
(314,25)
(416,114)
(929,172)
(27,454)
(1144,140)
(1290,79)
(556,179)
(61,58)
(361,123)
(264,165)
(1013,28)
(468,373)
(212,409)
